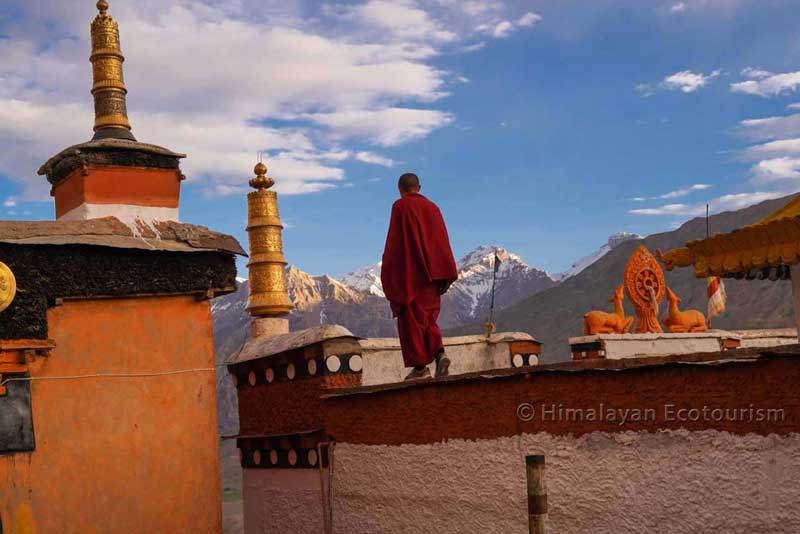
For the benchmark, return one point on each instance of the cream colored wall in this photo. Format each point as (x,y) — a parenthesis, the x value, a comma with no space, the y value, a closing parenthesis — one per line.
(383,361)
(709,482)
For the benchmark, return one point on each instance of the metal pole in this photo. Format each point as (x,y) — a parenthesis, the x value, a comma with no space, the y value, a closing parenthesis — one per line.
(489,323)
(537,494)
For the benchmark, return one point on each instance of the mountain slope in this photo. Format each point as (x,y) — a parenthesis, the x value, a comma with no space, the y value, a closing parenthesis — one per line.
(613,242)
(556,314)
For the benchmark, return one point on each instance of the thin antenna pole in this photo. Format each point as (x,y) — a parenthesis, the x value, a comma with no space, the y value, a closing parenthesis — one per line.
(494,281)
(489,323)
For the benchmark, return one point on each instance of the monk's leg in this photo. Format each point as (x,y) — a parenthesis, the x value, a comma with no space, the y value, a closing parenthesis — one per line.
(430,304)
(412,336)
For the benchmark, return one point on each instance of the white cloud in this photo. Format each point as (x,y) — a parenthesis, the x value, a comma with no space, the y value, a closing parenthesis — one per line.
(402,19)
(375,159)
(796,105)
(685,81)
(210,79)
(767,84)
(529,19)
(384,127)
(724,203)
(777,169)
(678,193)
(502,29)
(773,148)
(678,8)
(770,128)
(474,47)
(688,81)
(10,202)
(755,74)
(645,89)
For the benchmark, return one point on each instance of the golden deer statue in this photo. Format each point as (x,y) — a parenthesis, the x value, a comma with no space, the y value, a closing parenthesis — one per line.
(683,321)
(599,322)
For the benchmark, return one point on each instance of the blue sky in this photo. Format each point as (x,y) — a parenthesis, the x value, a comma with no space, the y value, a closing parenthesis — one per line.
(543,127)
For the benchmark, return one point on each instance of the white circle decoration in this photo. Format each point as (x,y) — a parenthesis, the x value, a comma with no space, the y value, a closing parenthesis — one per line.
(312,367)
(273,457)
(252,378)
(290,371)
(312,457)
(270,375)
(257,457)
(333,364)
(518,360)
(533,359)
(292,457)
(356,363)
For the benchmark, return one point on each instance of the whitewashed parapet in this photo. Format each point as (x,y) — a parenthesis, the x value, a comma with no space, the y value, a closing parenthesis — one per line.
(383,360)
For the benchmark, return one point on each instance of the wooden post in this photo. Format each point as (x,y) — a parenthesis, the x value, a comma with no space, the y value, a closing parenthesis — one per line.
(537,494)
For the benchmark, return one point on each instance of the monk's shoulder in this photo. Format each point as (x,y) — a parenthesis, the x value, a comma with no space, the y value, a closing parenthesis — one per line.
(427,204)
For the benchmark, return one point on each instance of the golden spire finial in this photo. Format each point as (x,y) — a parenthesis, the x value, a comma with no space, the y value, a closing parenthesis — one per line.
(110,107)
(261,181)
(268,296)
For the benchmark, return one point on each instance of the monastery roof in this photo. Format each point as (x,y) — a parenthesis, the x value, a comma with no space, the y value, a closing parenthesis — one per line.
(727,357)
(772,243)
(263,347)
(111,232)
(107,144)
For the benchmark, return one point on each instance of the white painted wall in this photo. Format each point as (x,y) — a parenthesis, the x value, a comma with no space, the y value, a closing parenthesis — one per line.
(619,346)
(666,482)
(383,360)
(123,212)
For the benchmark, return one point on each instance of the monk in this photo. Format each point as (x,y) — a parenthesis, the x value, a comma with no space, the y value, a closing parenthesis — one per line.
(418,268)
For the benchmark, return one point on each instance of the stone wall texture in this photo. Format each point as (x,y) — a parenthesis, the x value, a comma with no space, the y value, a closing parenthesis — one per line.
(631,482)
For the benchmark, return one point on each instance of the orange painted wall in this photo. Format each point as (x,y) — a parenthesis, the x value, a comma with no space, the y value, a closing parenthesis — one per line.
(120,455)
(138,186)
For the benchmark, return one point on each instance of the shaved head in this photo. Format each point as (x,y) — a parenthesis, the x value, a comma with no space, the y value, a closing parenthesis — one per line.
(408,183)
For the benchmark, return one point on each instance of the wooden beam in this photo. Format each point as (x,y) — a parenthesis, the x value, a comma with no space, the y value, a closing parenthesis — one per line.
(537,494)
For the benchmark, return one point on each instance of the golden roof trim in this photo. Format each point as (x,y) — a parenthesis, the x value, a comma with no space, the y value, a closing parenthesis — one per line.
(773,241)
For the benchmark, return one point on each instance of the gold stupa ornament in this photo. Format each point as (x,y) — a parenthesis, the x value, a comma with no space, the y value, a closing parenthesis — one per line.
(645,287)
(8,286)
(267,266)
(108,89)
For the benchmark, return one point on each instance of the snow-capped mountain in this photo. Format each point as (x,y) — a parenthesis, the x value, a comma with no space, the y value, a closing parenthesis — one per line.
(469,297)
(613,242)
(366,279)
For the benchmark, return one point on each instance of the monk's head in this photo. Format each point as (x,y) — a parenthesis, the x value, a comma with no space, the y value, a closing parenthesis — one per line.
(408,183)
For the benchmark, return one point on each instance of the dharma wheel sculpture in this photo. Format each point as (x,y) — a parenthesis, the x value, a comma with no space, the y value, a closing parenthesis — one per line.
(645,287)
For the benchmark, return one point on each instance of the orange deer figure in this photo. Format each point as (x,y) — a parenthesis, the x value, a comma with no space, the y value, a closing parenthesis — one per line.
(599,322)
(683,321)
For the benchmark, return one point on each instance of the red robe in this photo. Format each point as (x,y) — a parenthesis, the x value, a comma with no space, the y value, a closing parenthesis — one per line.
(418,267)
